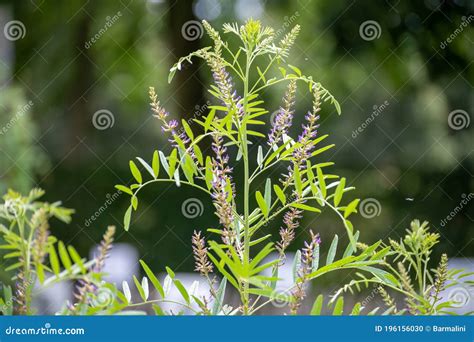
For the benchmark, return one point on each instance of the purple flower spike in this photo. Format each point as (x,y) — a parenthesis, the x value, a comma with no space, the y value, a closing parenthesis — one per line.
(284,118)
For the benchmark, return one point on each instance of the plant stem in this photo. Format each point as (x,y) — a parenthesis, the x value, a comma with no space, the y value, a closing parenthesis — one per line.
(246,184)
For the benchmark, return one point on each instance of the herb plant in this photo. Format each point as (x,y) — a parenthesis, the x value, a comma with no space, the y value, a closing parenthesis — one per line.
(240,252)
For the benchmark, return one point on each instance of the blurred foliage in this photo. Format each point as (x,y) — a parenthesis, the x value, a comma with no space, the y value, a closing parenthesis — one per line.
(21,158)
(408,158)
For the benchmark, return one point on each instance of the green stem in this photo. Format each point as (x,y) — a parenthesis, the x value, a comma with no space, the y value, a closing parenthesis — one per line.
(246,260)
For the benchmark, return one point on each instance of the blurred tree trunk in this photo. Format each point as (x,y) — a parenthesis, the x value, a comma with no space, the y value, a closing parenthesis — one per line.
(83,78)
(189,93)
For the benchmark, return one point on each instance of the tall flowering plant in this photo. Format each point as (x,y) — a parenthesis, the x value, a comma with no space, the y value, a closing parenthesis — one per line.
(238,252)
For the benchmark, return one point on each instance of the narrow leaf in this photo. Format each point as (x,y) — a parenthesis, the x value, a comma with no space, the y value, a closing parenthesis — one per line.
(146,166)
(135,172)
(153,278)
(261,203)
(219,300)
(155,164)
(339,191)
(332,250)
(317,306)
(126,218)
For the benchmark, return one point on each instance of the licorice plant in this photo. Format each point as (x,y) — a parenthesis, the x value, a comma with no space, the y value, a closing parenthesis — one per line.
(240,250)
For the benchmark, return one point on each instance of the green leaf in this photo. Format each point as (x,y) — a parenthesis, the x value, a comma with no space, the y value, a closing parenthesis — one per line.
(351,208)
(188,168)
(339,191)
(350,233)
(356,309)
(164,162)
(322,149)
(187,129)
(173,159)
(317,306)
(156,283)
(208,174)
(155,164)
(305,207)
(276,153)
(321,182)
(7,309)
(332,250)
(158,310)
(171,74)
(135,172)
(40,272)
(182,290)
(337,106)
(76,258)
(297,178)
(198,154)
(53,260)
(280,194)
(268,193)
(256,134)
(273,283)
(170,272)
(260,156)
(261,203)
(219,300)
(209,119)
(339,307)
(260,73)
(140,289)
(125,189)
(146,166)
(350,248)
(63,254)
(295,69)
(134,202)
(126,218)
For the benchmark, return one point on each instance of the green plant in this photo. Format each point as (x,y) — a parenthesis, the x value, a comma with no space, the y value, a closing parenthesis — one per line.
(411,278)
(36,259)
(242,252)
(306,185)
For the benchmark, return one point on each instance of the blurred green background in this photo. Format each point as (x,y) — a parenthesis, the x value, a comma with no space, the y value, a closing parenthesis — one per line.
(73,59)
